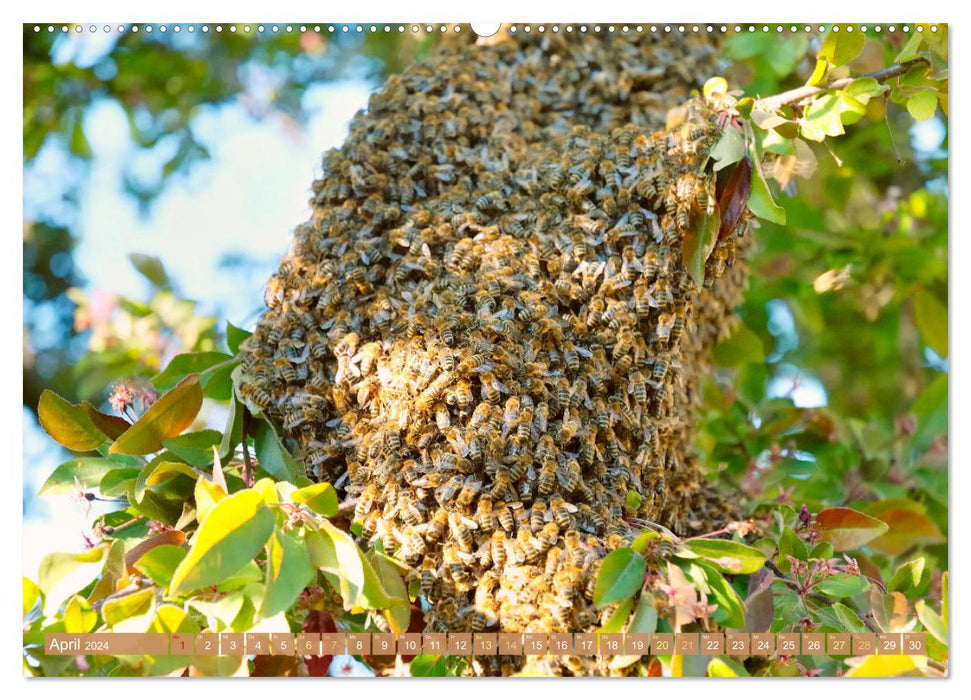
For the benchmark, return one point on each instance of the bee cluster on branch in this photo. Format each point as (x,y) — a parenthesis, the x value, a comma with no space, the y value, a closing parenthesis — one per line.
(486,332)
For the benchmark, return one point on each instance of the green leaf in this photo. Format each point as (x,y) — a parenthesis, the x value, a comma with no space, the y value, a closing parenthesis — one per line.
(932,622)
(88,471)
(911,48)
(760,201)
(62,574)
(698,243)
(185,364)
(399,613)
(932,320)
(842,585)
(742,347)
(930,409)
(159,563)
(196,447)
(68,423)
(824,116)
(234,532)
(731,609)
(168,417)
(632,502)
(840,46)
(729,149)
(151,268)
(160,470)
(288,572)
(922,104)
(790,544)
(234,337)
(273,457)
(728,556)
(621,576)
(320,498)
(864,89)
(907,577)
(429,666)
(846,528)
(615,623)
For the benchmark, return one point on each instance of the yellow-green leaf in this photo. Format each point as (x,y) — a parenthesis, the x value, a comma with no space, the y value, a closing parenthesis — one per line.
(168,417)
(68,423)
(207,495)
(931,317)
(140,604)
(761,203)
(61,575)
(78,616)
(320,498)
(234,532)
(841,46)
(922,104)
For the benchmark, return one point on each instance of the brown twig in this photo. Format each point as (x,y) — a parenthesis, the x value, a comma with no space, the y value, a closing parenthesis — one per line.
(798,94)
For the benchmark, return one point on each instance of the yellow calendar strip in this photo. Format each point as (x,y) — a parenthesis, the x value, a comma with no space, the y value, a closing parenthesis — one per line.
(740,644)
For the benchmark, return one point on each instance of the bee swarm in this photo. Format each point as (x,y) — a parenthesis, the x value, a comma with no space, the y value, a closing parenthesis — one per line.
(486,332)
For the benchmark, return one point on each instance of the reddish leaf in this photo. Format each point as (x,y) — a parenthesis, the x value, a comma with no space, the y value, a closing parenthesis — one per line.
(846,528)
(908,528)
(734,196)
(319,621)
(110,425)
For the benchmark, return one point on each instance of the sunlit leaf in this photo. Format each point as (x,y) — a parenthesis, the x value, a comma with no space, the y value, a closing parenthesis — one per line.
(922,104)
(168,417)
(320,498)
(841,46)
(234,532)
(159,563)
(68,423)
(61,575)
(883,666)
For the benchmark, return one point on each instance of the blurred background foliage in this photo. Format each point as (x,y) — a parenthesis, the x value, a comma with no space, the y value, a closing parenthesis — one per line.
(833,391)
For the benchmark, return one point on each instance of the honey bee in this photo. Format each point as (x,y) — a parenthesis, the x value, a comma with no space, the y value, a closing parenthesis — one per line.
(498,549)
(563,513)
(547,478)
(638,387)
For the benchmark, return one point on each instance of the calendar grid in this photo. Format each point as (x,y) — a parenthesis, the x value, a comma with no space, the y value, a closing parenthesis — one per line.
(731,643)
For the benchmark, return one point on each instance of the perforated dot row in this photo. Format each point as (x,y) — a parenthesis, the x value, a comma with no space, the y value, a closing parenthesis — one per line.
(428,28)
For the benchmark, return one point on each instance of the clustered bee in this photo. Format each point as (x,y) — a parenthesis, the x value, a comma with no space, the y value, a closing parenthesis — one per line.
(486,334)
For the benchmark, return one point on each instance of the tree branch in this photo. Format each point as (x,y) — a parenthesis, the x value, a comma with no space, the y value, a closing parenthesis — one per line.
(791,96)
